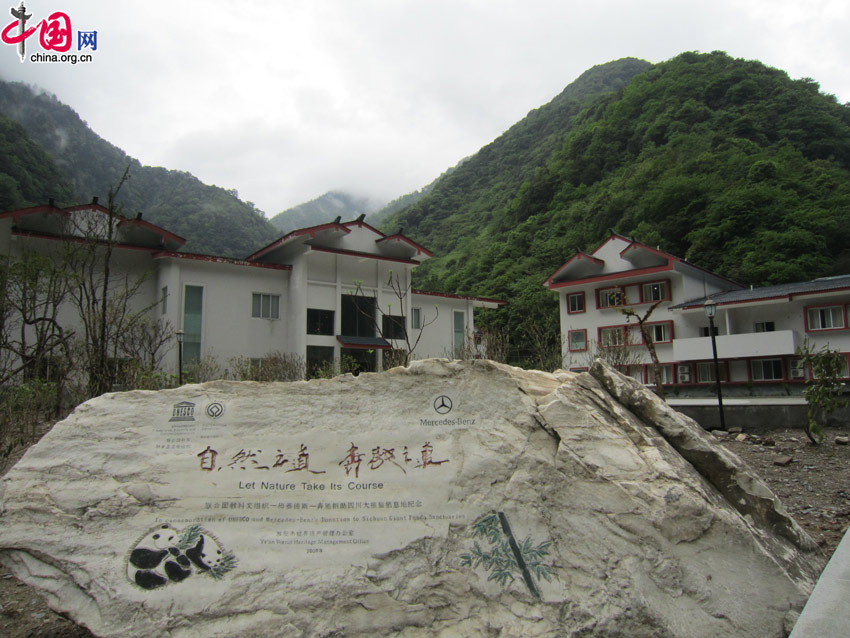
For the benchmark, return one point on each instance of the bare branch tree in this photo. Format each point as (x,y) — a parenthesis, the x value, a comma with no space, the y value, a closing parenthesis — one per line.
(401,292)
(649,342)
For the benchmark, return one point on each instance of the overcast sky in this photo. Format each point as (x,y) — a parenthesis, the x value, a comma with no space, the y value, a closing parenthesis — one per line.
(287,100)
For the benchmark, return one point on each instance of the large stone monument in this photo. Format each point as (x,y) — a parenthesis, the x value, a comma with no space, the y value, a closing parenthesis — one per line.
(444,499)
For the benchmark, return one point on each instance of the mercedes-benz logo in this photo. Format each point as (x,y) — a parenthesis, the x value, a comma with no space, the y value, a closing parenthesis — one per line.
(442,404)
(215,410)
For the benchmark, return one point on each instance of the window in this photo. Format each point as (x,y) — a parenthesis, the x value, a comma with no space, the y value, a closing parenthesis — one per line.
(575,303)
(705,372)
(320,361)
(320,322)
(416,318)
(610,297)
(635,372)
(265,306)
(703,331)
(578,340)
(765,326)
(655,291)
(392,326)
(660,332)
(459,329)
(612,337)
(827,318)
(163,303)
(358,316)
(193,309)
(666,373)
(766,369)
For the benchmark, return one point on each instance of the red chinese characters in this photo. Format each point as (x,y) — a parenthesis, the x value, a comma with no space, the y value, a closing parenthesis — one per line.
(55,32)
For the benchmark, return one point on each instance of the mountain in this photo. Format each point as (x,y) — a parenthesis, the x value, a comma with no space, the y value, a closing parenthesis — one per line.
(212,219)
(324,209)
(726,162)
(400,203)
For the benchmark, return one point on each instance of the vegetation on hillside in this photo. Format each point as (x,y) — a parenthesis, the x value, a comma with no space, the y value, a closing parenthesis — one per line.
(212,219)
(726,162)
(322,210)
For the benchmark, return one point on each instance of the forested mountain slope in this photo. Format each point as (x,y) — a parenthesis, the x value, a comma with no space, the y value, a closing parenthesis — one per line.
(212,219)
(726,162)
(323,209)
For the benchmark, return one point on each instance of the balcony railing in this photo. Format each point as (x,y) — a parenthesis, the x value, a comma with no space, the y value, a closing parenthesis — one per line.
(754,344)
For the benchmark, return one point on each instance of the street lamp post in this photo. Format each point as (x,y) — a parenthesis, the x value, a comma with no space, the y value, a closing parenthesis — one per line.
(179,334)
(710,308)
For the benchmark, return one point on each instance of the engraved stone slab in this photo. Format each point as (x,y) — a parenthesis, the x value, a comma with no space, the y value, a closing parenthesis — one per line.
(445,499)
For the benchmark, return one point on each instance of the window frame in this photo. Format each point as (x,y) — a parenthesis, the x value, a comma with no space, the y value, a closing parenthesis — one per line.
(393,327)
(724,372)
(809,309)
(622,328)
(577,295)
(262,296)
(762,361)
(668,374)
(320,321)
(766,326)
(667,292)
(599,296)
(416,318)
(669,326)
(570,333)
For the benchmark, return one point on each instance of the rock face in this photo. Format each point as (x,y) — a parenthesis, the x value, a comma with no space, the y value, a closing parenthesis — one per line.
(444,499)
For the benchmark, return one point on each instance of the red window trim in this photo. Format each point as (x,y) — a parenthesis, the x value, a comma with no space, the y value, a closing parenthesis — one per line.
(647,373)
(667,297)
(658,323)
(831,305)
(579,369)
(622,326)
(781,362)
(583,302)
(695,372)
(570,342)
(622,290)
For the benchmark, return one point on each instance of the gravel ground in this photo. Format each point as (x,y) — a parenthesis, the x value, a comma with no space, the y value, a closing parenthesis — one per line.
(812,482)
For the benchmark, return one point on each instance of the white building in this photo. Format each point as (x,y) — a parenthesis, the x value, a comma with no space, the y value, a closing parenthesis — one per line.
(758,331)
(322,293)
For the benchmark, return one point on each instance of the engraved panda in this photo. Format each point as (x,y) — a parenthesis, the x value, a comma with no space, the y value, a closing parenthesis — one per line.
(166,555)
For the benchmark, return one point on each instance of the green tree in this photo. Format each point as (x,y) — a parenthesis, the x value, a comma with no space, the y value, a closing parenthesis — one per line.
(824,388)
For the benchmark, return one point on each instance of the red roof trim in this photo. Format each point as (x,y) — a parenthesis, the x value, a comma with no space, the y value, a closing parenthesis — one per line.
(23,212)
(78,240)
(354,253)
(218,260)
(310,231)
(623,274)
(359,346)
(153,227)
(406,240)
(98,207)
(363,224)
(578,255)
(654,251)
(451,296)
(788,297)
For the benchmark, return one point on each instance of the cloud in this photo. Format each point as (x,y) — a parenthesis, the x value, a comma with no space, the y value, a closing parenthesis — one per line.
(285,101)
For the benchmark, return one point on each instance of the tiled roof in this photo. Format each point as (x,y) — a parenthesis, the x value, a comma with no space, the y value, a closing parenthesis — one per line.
(824,284)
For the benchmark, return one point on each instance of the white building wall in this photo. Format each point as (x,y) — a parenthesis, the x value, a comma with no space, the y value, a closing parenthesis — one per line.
(228,329)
